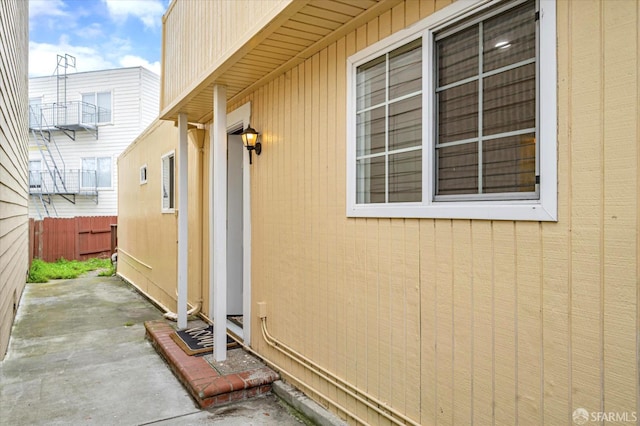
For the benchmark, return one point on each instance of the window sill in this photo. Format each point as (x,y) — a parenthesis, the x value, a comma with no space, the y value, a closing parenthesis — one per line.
(489,210)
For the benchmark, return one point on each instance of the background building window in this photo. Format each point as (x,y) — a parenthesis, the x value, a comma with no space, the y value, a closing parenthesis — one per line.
(35,113)
(102,111)
(35,174)
(96,172)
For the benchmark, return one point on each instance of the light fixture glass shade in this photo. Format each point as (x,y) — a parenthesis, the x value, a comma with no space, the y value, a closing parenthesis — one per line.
(249,136)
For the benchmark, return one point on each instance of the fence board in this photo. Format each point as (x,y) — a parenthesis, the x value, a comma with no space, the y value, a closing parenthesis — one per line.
(78,238)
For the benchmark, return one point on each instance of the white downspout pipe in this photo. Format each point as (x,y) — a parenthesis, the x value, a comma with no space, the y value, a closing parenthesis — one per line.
(218,245)
(183,220)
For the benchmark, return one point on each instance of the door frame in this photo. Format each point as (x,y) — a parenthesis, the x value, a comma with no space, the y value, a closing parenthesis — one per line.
(236,120)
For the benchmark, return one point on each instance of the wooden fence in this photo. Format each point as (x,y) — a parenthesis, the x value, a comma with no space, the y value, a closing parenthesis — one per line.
(78,238)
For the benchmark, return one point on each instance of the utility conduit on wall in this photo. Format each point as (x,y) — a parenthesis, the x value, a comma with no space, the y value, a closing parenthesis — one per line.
(370,401)
(301,383)
(195,310)
(172,316)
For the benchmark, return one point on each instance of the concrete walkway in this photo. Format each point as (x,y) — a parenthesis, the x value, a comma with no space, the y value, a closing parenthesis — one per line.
(78,355)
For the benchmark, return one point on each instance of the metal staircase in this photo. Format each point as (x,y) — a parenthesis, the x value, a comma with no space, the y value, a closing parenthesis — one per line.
(49,179)
(53,178)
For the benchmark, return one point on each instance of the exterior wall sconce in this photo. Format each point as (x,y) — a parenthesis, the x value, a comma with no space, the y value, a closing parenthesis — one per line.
(250,141)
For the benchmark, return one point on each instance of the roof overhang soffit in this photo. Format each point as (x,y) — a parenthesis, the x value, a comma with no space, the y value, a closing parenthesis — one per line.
(235,69)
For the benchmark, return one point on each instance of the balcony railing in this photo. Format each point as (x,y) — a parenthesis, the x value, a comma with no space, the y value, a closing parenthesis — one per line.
(63,182)
(69,115)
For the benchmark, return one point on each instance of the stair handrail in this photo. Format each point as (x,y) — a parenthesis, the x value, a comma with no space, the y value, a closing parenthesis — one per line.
(51,141)
(48,141)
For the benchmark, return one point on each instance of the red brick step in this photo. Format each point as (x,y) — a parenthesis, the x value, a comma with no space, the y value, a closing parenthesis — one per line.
(205,384)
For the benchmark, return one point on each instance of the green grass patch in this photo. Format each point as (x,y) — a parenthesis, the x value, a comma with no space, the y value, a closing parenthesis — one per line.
(109,271)
(41,272)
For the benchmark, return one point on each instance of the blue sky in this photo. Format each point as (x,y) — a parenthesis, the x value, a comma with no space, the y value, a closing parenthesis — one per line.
(101,34)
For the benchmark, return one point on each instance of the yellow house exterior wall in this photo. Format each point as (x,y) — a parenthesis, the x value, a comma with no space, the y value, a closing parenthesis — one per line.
(459,321)
(147,238)
(447,321)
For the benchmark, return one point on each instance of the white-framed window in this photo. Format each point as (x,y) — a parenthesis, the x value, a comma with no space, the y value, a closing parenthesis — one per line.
(35,112)
(168,182)
(143,174)
(96,172)
(96,107)
(455,117)
(35,174)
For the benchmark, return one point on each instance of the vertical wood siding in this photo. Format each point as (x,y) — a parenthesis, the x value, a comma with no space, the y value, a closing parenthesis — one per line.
(447,321)
(459,321)
(14,228)
(220,39)
(134,100)
(147,238)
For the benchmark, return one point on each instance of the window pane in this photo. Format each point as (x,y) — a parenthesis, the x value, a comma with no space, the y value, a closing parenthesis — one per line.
(165,182)
(458,113)
(35,112)
(172,193)
(371,83)
(509,164)
(370,178)
(405,177)
(104,172)
(89,172)
(384,125)
(104,107)
(405,70)
(457,56)
(35,173)
(510,37)
(168,182)
(89,108)
(405,123)
(370,132)
(88,163)
(458,169)
(509,100)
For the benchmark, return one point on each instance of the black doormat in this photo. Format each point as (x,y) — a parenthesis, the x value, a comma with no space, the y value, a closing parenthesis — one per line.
(198,340)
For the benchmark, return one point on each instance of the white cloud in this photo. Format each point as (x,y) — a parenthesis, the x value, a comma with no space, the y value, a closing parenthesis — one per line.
(148,11)
(137,61)
(43,58)
(93,30)
(46,8)
(95,42)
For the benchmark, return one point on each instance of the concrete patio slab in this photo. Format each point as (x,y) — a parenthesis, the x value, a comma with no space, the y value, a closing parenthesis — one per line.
(78,355)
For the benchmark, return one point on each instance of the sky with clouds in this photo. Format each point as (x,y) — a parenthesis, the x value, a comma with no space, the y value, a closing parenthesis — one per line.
(101,34)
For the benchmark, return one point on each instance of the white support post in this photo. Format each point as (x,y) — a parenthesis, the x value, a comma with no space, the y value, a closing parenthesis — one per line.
(218,249)
(183,220)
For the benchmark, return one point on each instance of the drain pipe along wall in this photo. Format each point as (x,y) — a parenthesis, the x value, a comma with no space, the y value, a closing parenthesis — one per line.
(183,220)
